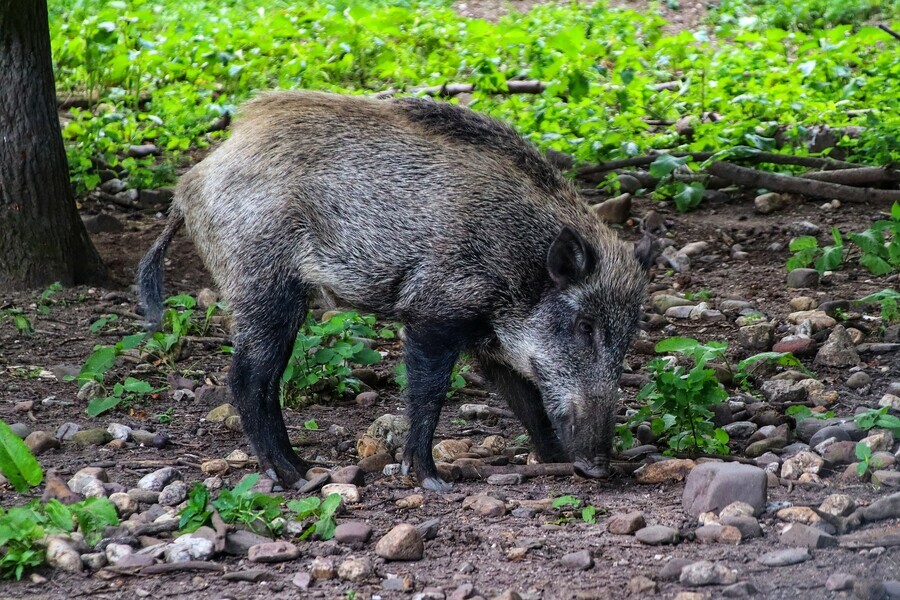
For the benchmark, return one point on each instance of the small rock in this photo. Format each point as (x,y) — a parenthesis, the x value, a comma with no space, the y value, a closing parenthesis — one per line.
(349,475)
(783,558)
(578,561)
(355,569)
(234,423)
(798,534)
(450,450)
(881,441)
(840,453)
(803,278)
(221,412)
(429,529)
(116,552)
(886,478)
(322,568)
(737,509)
(747,526)
(673,469)
(67,430)
(348,492)
(368,446)
(215,466)
(366,399)
(779,391)
(641,586)
(174,493)
(740,430)
(488,506)
(391,429)
(722,534)
(189,547)
(302,580)
(837,582)
(239,541)
(91,437)
(62,555)
(707,573)
(656,535)
(119,432)
(802,462)
(403,542)
(94,561)
(663,302)
(40,442)
(887,400)
(352,532)
(760,336)
(142,150)
(713,486)
(506,479)
(125,504)
(741,589)
(799,514)
(271,552)
(768,203)
(158,479)
(860,380)
(672,569)
(839,505)
(614,211)
(625,523)
(375,463)
(838,351)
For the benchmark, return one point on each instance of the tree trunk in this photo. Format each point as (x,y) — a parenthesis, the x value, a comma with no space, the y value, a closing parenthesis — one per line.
(42,238)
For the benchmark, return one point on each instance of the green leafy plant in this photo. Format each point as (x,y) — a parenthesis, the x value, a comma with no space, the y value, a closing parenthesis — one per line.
(744,370)
(457,378)
(801,412)
(588,513)
(311,425)
(240,504)
(46,298)
(807,251)
(319,513)
(17,463)
(878,418)
(864,456)
(880,253)
(129,390)
(19,320)
(197,511)
(101,323)
(103,358)
(678,399)
(889,300)
(324,353)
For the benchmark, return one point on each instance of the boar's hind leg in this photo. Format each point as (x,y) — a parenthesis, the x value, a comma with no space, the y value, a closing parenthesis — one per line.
(430,356)
(525,400)
(266,321)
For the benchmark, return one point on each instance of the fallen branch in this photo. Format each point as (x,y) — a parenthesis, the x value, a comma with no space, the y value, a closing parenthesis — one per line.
(811,162)
(889,31)
(188,565)
(220,528)
(856,177)
(538,470)
(753,178)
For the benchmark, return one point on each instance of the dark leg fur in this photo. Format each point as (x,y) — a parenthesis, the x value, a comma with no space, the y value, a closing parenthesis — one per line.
(525,401)
(266,320)
(430,356)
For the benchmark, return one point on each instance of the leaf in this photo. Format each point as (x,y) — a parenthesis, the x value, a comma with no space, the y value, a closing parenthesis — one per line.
(807,67)
(93,514)
(331,504)
(831,259)
(870,241)
(564,501)
(311,424)
(367,356)
(875,264)
(680,345)
(130,342)
(99,362)
(804,242)
(863,452)
(895,211)
(137,386)
(245,484)
(305,507)
(17,463)
(60,515)
(665,164)
(98,406)
(588,514)
(689,196)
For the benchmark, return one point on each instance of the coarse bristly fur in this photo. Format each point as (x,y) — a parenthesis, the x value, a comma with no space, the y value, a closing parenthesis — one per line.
(426,213)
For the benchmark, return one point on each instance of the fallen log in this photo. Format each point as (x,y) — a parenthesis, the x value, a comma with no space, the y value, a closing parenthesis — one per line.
(538,470)
(753,178)
(859,176)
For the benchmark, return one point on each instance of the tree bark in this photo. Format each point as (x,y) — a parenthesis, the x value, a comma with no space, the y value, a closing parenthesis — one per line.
(43,239)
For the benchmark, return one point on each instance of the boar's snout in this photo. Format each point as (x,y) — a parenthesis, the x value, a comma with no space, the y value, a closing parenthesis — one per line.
(597,468)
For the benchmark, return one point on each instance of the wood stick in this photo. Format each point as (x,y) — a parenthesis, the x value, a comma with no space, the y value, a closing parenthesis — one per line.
(753,178)
(812,162)
(538,470)
(220,528)
(856,177)
(889,31)
(188,565)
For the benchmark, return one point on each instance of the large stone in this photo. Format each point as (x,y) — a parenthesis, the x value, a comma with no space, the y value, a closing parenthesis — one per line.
(353,532)
(270,552)
(669,470)
(713,486)
(838,351)
(798,534)
(403,542)
(61,554)
(707,573)
(348,492)
(355,569)
(239,541)
(391,429)
(615,210)
(657,535)
(803,278)
(625,523)
(783,558)
(759,337)
(158,479)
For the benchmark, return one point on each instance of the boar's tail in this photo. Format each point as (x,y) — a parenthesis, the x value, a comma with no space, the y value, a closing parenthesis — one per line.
(150,272)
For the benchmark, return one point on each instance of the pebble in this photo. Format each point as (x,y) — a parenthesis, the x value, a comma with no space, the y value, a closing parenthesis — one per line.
(671,571)
(429,529)
(189,547)
(40,442)
(837,582)
(271,552)
(887,400)
(838,351)
(748,526)
(759,336)
(94,560)
(641,586)
(578,561)
(625,523)
(116,552)
(239,541)
(506,479)
(403,542)
(740,429)
(798,534)
(143,496)
(803,278)
(353,532)
(802,462)
(858,380)
(881,441)
(713,486)
(391,429)
(348,492)
(669,470)
(173,494)
(60,554)
(91,437)
(119,431)
(724,534)
(615,211)
(768,202)
(707,573)
(67,430)
(783,558)
(839,505)
(355,569)
(663,302)
(219,413)
(322,568)
(741,589)
(375,463)
(656,535)
(450,450)
(488,506)
(158,479)
(125,504)
(832,432)
(216,465)
(349,475)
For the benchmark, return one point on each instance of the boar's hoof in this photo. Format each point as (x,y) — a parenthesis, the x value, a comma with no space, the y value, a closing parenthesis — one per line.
(591,470)
(436,485)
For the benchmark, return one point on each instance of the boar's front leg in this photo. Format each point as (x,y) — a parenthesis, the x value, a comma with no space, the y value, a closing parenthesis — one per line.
(430,355)
(266,322)
(525,401)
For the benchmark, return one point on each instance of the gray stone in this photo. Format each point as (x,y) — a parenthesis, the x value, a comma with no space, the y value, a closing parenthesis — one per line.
(189,547)
(657,535)
(759,337)
(886,478)
(94,560)
(803,278)
(891,401)
(741,589)
(353,532)
(798,534)
(671,571)
(768,203)
(858,380)
(783,558)
(350,475)
(270,552)
(40,442)
(663,302)
(839,434)
(158,479)
(740,430)
(506,479)
(355,569)
(67,430)
(221,412)
(578,561)
(391,429)
(61,554)
(748,526)
(119,431)
(239,541)
(403,542)
(173,494)
(837,582)
(804,228)
(838,351)
(780,391)
(21,430)
(713,486)
(626,523)
(680,312)
(707,573)
(429,529)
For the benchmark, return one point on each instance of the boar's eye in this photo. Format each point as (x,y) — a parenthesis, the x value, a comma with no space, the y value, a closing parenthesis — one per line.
(584,327)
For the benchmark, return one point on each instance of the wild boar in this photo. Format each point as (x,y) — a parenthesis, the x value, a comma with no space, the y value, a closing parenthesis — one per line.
(426,213)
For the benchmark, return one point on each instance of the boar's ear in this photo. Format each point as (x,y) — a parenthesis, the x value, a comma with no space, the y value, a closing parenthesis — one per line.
(646,251)
(570,258)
